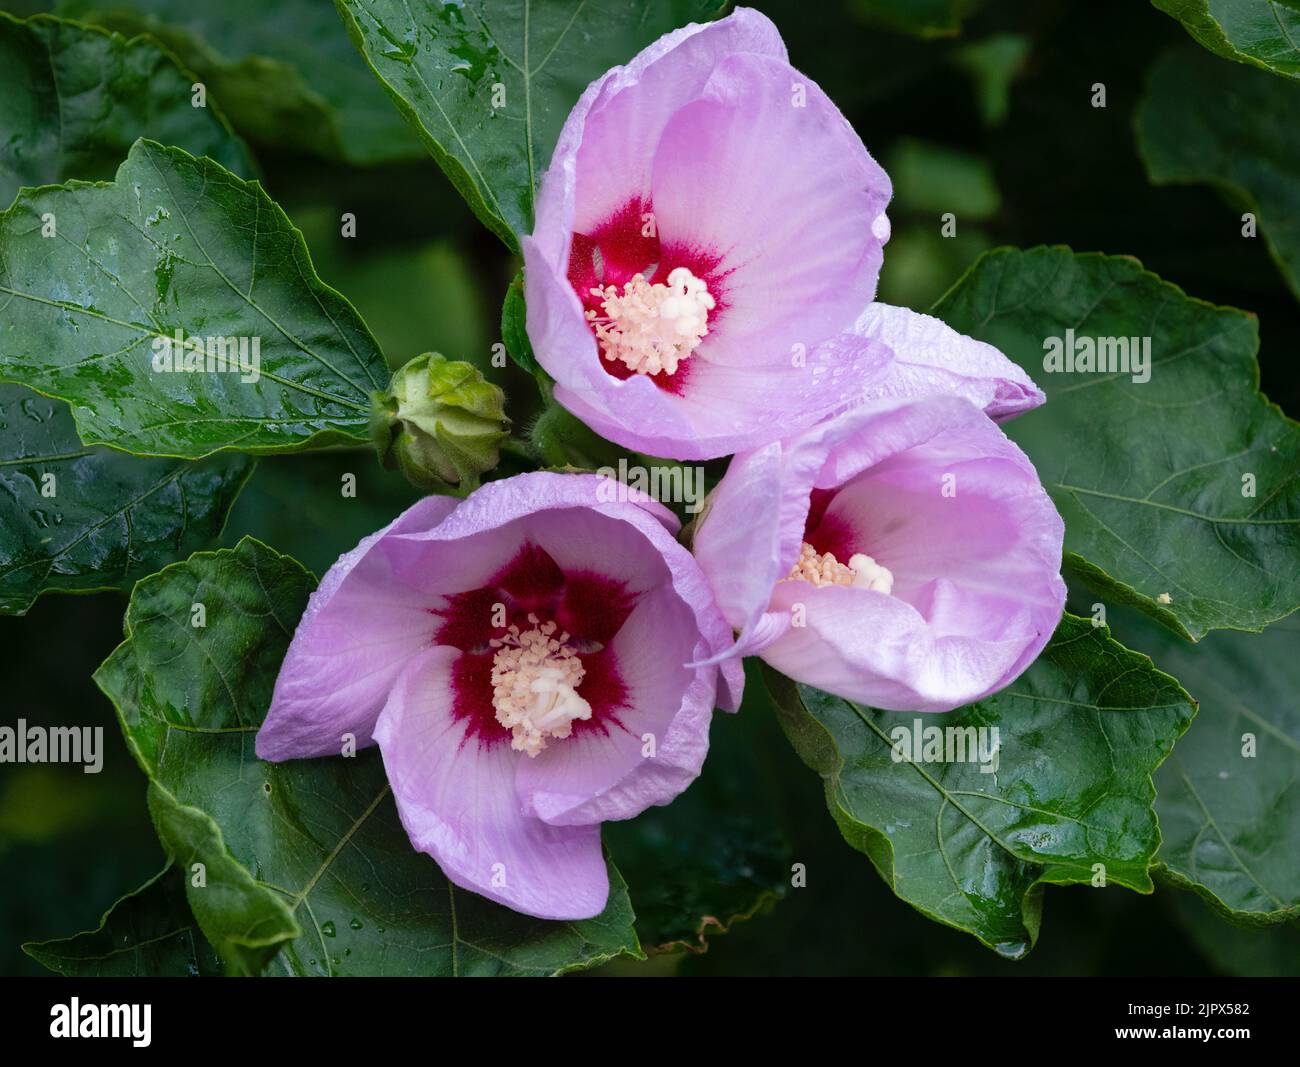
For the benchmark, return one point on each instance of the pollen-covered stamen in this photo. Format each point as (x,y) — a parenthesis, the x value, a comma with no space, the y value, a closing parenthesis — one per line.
(651,328)
(535,676)
(861,572)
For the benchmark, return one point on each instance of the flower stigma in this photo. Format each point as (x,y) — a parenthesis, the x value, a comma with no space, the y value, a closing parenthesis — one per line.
(861,572)
(651,328)
(535,677)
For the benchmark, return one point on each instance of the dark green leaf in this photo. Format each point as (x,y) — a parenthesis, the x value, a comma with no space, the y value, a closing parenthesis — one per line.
(307,865)
(1263,33)
(1180,494)
(1080,733)
(1233,128)
(148,932)
(1228,804)
(514,327)
(178,243)
(443,62)
(73,98)
(285,73)
(77,519)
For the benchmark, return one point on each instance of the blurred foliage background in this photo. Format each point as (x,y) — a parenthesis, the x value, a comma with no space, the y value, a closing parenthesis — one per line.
(993,123)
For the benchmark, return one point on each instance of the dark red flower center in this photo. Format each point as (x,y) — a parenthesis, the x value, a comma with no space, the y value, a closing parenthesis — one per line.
(532,590)
(828,533)
(627,244)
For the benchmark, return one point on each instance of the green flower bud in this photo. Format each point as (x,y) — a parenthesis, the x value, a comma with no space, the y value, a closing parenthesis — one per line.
(441,423)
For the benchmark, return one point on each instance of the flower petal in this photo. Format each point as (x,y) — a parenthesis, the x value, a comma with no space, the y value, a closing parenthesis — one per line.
(360,627)
(933,359)
(748,537)
(763,175)
(613,774)
(605,151)
(497,503)
(456,799)
(725,409)
(907,663)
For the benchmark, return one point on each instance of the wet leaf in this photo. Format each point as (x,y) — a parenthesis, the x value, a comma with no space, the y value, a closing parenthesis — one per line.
(97,280)
(1179,490)
(1235,129)
(75,519)
(1069,797)
(149,932)
(1263,33)
(285,73)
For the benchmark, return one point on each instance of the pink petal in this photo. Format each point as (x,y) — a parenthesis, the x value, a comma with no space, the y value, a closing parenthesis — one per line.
(360,628)
(606,149)
(595,775)
(754,524)
(456,799)
(933,359)
(749,536)
(783,194)
(497,503)
(727,409)
(908,664)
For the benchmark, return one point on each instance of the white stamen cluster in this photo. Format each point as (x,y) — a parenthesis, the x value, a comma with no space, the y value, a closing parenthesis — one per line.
(535,676)
(861,572)
(648,328)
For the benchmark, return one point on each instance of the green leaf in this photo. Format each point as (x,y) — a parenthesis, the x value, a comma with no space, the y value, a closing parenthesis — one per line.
(1232,128)
(1079,735)
(1228,805)
(307,865)
(73,98)
(285,73)
(1180,494)
(1263,33)
(75,519)
(924,18)
(514,327)
(178,243)
(442,61)
(148,932)
(714,856)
